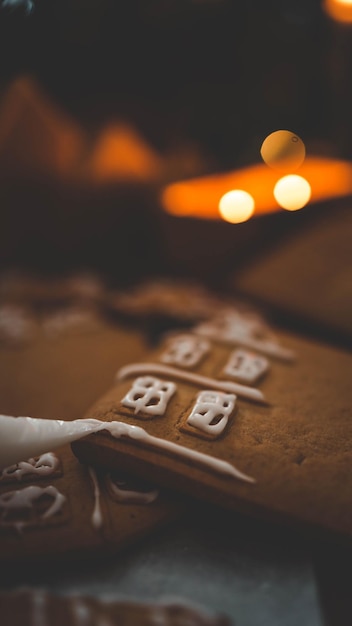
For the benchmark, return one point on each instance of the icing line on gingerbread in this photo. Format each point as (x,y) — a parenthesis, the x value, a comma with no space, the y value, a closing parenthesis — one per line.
(97,515)
(197,379)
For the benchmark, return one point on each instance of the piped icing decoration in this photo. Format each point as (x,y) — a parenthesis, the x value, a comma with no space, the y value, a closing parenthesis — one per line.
(126,492)
(23,502)
(27,437)
(44,465)
(195,379)
(185,350)
(246,366)
(149,395)
(245,329)
(208,462)
(97,515)
(211,411)
(38,433)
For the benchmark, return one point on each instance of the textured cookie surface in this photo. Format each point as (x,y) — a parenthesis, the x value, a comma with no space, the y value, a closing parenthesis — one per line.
(297,447)
(309,275)
(53,505)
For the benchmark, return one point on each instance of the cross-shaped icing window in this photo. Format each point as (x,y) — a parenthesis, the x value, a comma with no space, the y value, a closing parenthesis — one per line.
(246,366)
(185,350)
(212,411)
(149,395)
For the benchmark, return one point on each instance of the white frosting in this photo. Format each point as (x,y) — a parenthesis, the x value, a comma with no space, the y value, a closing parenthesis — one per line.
(97,515)
(135,433)
(211,411)
(50,434)
(149,395)
(119,492)
(185,350)
(13,502)
(248,330)
(45,465)
(191,377)
(27,437)
(245,366)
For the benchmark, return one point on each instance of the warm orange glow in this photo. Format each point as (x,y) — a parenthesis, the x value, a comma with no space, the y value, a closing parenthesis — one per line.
(35,135)
(283,151)
(199,197)
(292,192)
(340,10)
(236,206)
(121,153)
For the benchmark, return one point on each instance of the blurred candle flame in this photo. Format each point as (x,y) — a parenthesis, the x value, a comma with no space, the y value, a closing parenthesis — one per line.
(292,192)
(339,10)
(200,197)
(236,206)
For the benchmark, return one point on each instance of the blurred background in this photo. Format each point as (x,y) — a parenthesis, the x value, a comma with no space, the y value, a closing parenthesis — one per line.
(122,127)
(106,105)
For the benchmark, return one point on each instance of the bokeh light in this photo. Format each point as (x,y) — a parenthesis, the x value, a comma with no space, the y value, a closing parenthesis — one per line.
(283,150)
(236,206)
(339,10)
(292,192)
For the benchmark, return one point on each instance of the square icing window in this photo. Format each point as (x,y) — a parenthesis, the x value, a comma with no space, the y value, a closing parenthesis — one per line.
(245,366)
(211,412)
(185,350)
(149,395)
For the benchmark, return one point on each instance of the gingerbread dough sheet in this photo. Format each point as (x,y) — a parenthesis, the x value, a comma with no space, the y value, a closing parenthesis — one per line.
(287,459)
(308,276)
(53,505)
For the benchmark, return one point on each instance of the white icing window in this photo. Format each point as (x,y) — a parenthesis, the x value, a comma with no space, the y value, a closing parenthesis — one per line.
(22,508)
(44,465)
(246,366)
(149,395)
(185,350)
(212,411)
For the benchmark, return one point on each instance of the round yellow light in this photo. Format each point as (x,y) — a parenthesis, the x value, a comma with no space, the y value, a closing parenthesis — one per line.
(339,10)
(292,192)
(283,151)
(236,206)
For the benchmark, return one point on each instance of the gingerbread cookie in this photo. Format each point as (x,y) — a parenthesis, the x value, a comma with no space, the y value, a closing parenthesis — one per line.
(51,504)
(309,276)
(238,416)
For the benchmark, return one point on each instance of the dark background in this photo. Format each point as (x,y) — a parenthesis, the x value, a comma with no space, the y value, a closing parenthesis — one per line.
(222,73)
